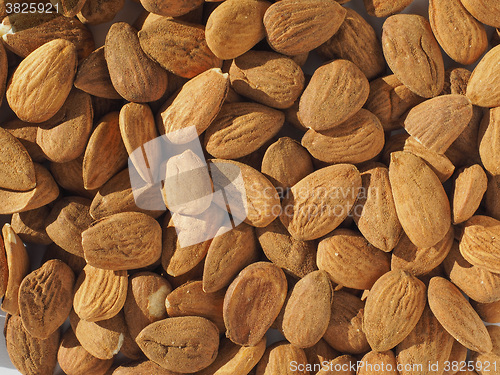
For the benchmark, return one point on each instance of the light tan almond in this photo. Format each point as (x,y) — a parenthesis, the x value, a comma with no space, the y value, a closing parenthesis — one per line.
(384,8)
(25,132)
(378,363)
(489,312)
(280,358)
(486,11)
(488,141)
(482,89)
(470,185)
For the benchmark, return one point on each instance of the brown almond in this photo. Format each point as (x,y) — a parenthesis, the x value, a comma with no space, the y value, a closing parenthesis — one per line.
(4,69)
(280,358)
(142,367)
(393,308)
(69,176)
(104,247)
(470,186)
(171,9)
(4,269)
(488,141)
(25,132)
(492,197)
(320,353)
(384,8)
(336,92)
(291,31)
(458,355)
(457,316)
(342,365)
(68,8)
(95,12)
(378,363)
(488,312)
(482,89)
(486,11)
(413,54)
(253,301)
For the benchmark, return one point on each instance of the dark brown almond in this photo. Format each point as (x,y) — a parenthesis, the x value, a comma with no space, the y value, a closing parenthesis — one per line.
(96,12)
(384,8)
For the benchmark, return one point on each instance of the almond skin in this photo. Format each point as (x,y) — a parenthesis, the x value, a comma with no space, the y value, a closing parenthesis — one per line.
(372,359)
(384,8)
(413,54)
(278,357)
(470,186)
(482,89)
(486,11)
(170,9)
(488,141)
(30,226)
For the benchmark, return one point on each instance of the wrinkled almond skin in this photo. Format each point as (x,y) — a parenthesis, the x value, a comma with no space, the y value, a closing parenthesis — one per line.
(242,128)
(30,226)
(294,27)
(482,89)
(235,27)
(183,344)
(268,78)
(489,312)
(253,301)
(179,47)
(171,8)
(277,360)
(413,54)
(95,12)
(470,186)
(457,316)
(382,359)
(486,11)
(30,355)
(462,37)
(48,71)
(134,75)
(344,331)
(350,260)
(336,92)
(25,132)
(104,247)
(68,8)
(356,41)
(421,202)
(384,8)
(304,207)
(489,142)
(393,309)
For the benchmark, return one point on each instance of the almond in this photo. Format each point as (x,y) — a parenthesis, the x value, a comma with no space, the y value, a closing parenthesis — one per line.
(384,8)
(4,269)
(488,141)
(171,9)
(470,186)
(279,359)
(486,11)
(482,88)
(488,312)
(378,363)
(96,12)
(69,8)
(25,132)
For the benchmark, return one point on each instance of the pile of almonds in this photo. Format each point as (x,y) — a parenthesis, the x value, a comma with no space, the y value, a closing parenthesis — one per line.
(369,237)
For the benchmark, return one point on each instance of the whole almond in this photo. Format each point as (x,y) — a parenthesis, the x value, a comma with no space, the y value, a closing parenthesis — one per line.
(482,89)
(253,301)
(292,32)
(134,75)
(318,203)
(384,8)
(182,344)
(242,128)
(99,294)
(457,316)
(356,41)
(470,186)
(68,8)
(336,92)
(69,176)
(171,9)
(488,141)
(413,54)
(486,11)
(95,12)
(350,260)
(463,39)
(25,132)
(50,67)
(373,361)
(45,298)
(179,47)
(488,312)
(421,202)
(393,309)
(235,27)
(104,247)
(344,331)
(279,359)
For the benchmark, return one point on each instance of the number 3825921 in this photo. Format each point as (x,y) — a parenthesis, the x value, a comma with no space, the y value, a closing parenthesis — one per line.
(31,8)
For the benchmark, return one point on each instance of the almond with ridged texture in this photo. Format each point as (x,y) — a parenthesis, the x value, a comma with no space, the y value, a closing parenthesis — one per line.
(25,132)
(295,257)
(356,140)
(241,128)
(294,27)
(413,54)
(489,312)
(253,301)
(345,363)
(68,8)
(384,8)
(189,299)
(428,342)
(17,171)
(47,72)
(318,203)
(461,36)
(279,358)
(171,8)
(489,141)
(420,261)
(45,298)
(268,78)
(351,260)
(69,176)
(421,202)
(105,154)
(479,284)
(480,242)
(491,358)
(393,308)
(375,208)
(313,292)
(145,303)
(180,120)
(134,75)
(356,41)
(104,246)
(389,100)
(179,47)
(373,361)
(183,344)
(75,360)
(457,316)
(235,27)
(95,12)
(486,11)
(102,339)
(30,355)
(344,332)
(235,359)
(482,89)
(258,209)
(17,267)
(99,294)
(470,185)
(93,76)
(336,92)
(437,123)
